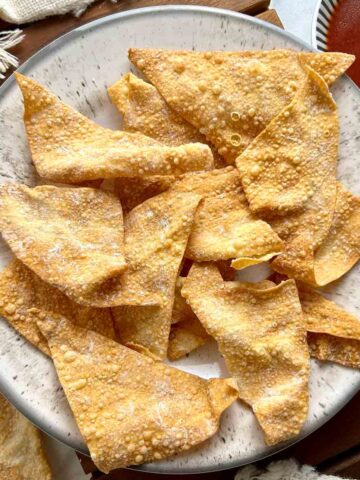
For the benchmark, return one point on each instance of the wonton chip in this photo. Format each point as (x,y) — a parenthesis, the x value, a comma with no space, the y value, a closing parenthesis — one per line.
(22,455)
(68,147)
(324,243)
(25,298)
(289,161)
(232,96)
(186,333)
(71,237)
(185,337)
(334,334)
(261,335)
(129,408)
(156,234)
(224,227)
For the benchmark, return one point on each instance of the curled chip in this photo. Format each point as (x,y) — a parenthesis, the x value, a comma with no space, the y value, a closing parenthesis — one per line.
(71,237)
(131,409)
(22,455)
(261,335)
(25,298)
(156,234)
(289,161)
(232,96)
(333,334)
(224,228)
(67,147)
(322,242)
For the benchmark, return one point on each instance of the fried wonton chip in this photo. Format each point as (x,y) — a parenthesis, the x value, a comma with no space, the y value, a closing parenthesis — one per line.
(67,147)
(25,298)
(71,237)
(232,96)
(224,227)
(22,455)
(145,111)
(288,162)
(261,335)
(186,333)
(134,191)
(156,234)
(129,408)
(323,242)
(185,337)
(333,333)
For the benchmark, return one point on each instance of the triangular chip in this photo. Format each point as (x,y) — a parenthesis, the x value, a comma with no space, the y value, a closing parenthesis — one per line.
(25,298)
(224,228)
(145,111)
(156,233)
(333,334)
(71,237)
(131,409)
(322,243)
(22,455)
(231,96)
(295,154)
(67,147)
(261,335)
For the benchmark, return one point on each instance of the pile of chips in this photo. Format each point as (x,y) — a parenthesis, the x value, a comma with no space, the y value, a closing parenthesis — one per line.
(226,160)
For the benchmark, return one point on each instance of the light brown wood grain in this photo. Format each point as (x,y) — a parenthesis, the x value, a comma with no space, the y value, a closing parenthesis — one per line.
(271,16)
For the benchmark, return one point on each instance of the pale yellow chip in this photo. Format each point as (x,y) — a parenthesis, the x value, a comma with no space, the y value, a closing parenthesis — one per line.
(131,409)
(25,298)
(156,234)
(333,333)
(261,335)
(22,456)
(322,242)
(181,310)
(289,161)
(224,227)
(67,147)
(232,96)
(71,237)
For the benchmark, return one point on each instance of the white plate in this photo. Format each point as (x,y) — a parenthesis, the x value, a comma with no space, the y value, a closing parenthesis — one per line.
(78,67)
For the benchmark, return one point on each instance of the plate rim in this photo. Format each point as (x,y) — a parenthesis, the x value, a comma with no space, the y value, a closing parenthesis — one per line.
(75,32)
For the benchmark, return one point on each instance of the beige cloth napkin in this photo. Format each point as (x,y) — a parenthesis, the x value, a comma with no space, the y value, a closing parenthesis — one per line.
(23,11)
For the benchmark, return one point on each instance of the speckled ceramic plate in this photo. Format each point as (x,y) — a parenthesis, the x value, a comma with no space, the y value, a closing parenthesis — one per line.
(78,67)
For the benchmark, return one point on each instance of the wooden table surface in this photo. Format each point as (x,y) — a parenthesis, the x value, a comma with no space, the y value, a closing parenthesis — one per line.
(334,448)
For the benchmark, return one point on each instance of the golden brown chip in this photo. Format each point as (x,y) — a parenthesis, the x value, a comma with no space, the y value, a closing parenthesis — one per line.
(145,111)
(224,227)
(134,191)
(185,337)
(67,147)
(131,409)
(289,161)
(344,351)
(261,335)
(71,237)
(322,243)
(22,455)
(181,310)
(232,96)
(156,234)
(25,298)
(333,333)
